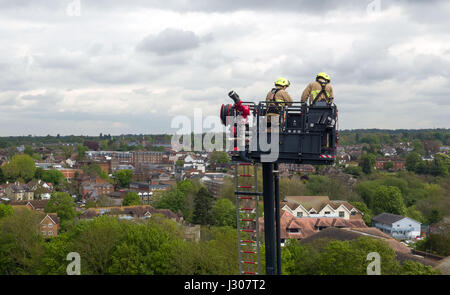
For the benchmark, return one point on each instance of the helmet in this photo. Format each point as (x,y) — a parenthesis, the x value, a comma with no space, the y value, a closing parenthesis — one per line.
(282,82)
(323,75)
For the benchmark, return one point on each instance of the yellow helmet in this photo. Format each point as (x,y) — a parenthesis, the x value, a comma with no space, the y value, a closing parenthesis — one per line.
(324,75)
(282,82)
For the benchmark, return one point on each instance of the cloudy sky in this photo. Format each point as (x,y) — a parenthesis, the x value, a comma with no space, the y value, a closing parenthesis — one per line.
(88,66)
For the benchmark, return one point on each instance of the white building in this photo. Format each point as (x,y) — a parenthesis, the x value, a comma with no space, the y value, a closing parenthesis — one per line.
(397,226)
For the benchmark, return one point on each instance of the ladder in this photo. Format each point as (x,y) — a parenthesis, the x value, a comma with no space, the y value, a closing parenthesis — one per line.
(247,199)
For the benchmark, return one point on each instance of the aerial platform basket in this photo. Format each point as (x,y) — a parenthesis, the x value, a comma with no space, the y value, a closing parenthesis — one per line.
(306,134)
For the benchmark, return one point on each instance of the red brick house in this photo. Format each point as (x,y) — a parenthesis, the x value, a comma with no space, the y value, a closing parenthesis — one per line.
(49,225)
(398,164)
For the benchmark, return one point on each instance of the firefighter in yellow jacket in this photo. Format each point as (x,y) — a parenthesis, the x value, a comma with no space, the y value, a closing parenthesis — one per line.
(319,90)
(280,97)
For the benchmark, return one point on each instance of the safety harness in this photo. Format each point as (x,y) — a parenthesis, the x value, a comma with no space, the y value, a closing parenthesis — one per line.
(323,91)
(273,108)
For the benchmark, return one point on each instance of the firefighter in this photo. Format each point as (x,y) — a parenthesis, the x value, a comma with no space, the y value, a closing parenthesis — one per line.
(280,97)
(319,90)
(279,94)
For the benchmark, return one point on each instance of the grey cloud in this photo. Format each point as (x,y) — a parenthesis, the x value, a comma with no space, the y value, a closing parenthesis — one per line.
(169,41)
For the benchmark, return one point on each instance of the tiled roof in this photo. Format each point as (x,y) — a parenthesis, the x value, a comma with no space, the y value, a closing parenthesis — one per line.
(37,204)
(309,226)
(54,217)
(387,218)
(308,202)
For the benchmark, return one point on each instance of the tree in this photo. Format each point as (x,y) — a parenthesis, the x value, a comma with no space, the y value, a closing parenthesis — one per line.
(388,199)
(20,166)
(39,173)
(356,171)
(202,207)
(418,147)
(367,163)
(53,176)
(132,199)
(81,151)
(67,151)
(224,213)
(388,165)
(219,158)
(415,214)
(6,210)
(28,151)
(54,261)
(95,170)
(333,257)
(146,249)
(96,240)
(434,216)
(410,267)
(123,178)
(438,167)
(64,206)
(435,243)
(20,243)
(173,200)
(367,213)
(2,177)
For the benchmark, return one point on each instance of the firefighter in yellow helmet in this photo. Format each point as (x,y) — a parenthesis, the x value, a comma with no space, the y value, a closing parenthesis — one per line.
(280,97)
(319,90)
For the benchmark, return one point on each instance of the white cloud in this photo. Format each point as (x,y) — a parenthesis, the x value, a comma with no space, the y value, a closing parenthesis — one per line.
(130,68)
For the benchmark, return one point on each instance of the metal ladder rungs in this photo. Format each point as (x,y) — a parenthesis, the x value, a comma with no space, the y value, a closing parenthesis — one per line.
(247,218)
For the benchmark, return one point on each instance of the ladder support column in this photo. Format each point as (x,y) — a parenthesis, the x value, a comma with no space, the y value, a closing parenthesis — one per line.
(269,218)
(277,215)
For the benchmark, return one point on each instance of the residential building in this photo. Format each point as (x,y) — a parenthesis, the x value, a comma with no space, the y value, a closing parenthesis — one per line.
(131,213)
(147,157)
(319,206)
(36,205)
(94,190)
(213,186)
(293,227)
(18,192)
(195,162)
(49,225)
(141,186)
(69,173)
(397,226)
(397,164)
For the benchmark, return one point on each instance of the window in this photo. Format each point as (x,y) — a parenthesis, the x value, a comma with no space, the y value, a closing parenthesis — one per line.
(50,233)
(353,212)
(50,225)
(44,226)
(327,212)
(299,214)
(44,233)
(341,213)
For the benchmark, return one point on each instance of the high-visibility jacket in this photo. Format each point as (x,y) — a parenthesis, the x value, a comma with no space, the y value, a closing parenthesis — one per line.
(280,96)
(313,89)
